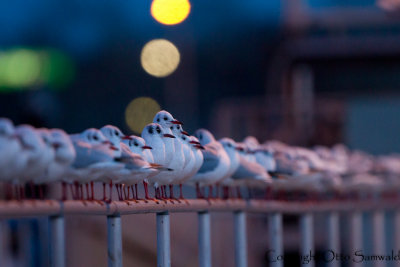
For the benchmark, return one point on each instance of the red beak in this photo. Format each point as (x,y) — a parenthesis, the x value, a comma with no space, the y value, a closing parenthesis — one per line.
(169,135)
(239,148)
(185,133)
(194,142)
(114,148)
(106,142)
(176,122)
(147,147)
(126,137)
(200,147)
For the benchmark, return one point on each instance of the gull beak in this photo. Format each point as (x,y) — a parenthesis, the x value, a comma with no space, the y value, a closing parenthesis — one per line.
(169,135)
(239,148)
(147,147)
(200,147)
(106,142)
(126,137)
(56,145)
(114,148)
(176,122)
(185,133)
(194,142)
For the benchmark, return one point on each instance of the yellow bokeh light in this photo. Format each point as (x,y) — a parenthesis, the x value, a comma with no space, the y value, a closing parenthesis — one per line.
(170,12)
(159,57)
(139,112)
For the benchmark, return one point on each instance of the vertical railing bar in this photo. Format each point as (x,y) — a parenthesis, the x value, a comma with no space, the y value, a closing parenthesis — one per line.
(356,236)
(163,240)
(275,239)
(333,245)
(114,240)
(378,235)
(240,239)
(396,234)
(57,241)
(204,239)
(307,240)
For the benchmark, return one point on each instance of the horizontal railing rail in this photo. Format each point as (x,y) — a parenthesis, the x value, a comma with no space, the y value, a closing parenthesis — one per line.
(33,208)
(56,210)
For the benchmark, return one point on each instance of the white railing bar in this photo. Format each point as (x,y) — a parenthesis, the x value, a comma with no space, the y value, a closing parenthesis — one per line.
(29,208)
(396,234)
(240,235)
(114,240)
(163,240)
(204,239)
(57,241)
(378,236)
(275,232)
(356,235)
(333,246)
(307,240)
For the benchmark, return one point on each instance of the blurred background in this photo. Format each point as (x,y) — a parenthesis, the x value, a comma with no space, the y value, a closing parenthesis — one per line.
(305,72)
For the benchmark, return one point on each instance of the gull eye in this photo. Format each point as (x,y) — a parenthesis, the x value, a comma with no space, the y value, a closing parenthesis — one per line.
(183,137)
(95,137)
(136,144)
(158,119)
(150,130)
(158,130)
(116,133)
(165,118)
(171,128)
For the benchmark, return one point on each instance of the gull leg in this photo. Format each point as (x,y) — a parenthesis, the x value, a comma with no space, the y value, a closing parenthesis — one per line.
(239,194)
(41,196)
(32,189)
(64,191)
(87,191)
(210,192)
(198,191)
(146,192)
(171,194)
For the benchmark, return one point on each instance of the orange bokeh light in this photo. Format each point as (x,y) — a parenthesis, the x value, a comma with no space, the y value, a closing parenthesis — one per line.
(170,12)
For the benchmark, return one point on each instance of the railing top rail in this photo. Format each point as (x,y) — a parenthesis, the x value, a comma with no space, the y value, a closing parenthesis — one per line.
(33,208)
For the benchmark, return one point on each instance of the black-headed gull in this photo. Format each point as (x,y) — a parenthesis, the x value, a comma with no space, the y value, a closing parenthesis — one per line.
(154,135)
(215,162)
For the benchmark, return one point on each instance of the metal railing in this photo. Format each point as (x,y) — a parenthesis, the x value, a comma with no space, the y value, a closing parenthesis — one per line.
(56,210)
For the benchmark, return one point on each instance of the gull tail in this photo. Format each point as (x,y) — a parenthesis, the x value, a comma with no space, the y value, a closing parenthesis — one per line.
(159,167)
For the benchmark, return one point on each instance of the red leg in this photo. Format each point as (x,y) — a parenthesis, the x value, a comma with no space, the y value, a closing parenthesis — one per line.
(104,192)
(87,191)
(92,189)
(64,191)
(210,192)
(181,192)
(111,187)
(239,194)
(136,192)
(171,191)
(198,191)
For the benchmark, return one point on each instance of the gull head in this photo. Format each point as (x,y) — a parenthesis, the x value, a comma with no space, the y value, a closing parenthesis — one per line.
(29,138)
(165,119)
(204,136)
(113,134)
(64,150)
(6,127)
(94,136)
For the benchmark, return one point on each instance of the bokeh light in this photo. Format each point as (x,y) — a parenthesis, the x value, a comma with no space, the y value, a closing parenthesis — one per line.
(170,12)
(24,68)
(21,68)
(159,57)
(139,112)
